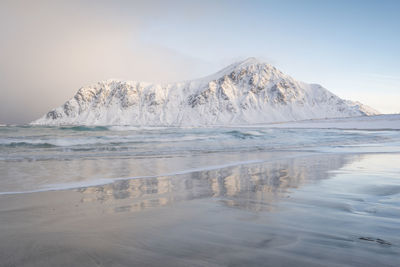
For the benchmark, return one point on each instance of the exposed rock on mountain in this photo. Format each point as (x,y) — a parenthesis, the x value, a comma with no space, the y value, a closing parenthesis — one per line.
(243,93)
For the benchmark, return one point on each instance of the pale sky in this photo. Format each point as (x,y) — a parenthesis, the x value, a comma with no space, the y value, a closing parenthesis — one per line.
(49,49)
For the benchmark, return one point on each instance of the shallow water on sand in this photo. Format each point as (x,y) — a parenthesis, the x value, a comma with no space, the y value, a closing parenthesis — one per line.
(321,209)
(50,158)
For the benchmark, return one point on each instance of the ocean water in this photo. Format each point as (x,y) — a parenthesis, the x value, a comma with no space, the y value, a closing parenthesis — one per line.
(51,158)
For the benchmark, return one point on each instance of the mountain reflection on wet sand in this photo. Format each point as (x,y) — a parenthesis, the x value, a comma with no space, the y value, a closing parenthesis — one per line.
(307,211)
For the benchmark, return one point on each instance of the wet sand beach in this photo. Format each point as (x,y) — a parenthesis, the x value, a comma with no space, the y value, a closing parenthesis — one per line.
(310,210)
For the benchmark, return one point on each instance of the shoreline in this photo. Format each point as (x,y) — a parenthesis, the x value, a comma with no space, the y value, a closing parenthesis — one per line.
(107,181)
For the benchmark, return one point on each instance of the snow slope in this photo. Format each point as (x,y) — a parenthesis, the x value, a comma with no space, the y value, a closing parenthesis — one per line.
(243,93)
(380,122)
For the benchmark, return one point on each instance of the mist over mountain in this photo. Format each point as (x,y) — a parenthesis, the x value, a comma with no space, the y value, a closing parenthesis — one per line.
(245,92)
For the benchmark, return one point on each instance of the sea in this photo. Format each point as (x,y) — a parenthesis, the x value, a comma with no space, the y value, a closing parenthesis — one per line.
(36,158)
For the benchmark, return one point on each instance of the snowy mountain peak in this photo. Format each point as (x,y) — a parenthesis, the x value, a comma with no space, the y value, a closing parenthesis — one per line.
(245,92)
(249,66)
(252,61)
(248,61)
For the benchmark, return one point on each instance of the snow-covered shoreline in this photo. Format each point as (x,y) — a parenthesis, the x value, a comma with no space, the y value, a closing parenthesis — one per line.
(378,122)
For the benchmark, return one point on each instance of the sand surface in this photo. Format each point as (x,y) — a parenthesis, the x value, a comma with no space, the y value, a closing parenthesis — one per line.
(319,210)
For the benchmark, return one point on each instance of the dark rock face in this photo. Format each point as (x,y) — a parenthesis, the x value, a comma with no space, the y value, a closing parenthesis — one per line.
(53,115)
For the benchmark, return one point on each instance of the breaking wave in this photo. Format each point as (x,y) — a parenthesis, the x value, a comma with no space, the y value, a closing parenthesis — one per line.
(245,134)
(85,128)
(28,145)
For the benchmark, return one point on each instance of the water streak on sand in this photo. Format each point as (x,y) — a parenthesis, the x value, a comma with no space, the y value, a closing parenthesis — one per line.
(103,181)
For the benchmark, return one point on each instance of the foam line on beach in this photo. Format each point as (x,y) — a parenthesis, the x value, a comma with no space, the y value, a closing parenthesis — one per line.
(104,181)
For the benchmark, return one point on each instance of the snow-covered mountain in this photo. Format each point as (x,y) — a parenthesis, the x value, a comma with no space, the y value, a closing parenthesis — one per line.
(242,93)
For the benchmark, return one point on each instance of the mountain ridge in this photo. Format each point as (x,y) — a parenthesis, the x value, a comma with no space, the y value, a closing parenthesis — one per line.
(245,92)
